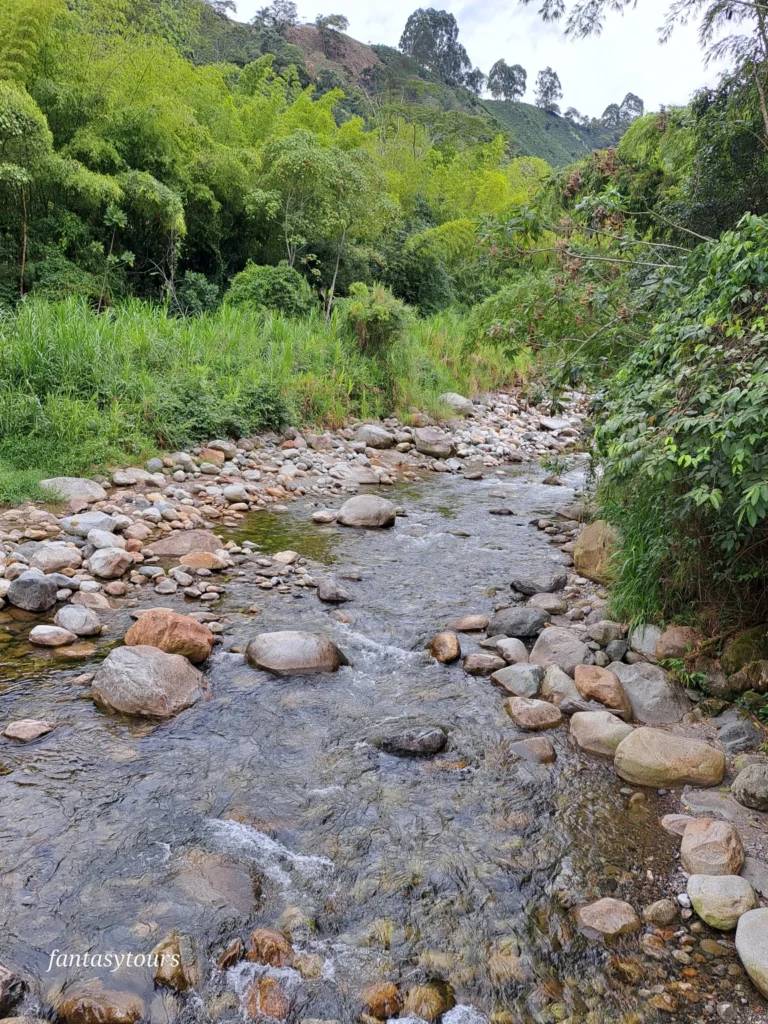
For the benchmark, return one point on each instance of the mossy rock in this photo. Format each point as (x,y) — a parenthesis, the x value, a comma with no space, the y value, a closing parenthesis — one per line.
(753,677)
(751,645)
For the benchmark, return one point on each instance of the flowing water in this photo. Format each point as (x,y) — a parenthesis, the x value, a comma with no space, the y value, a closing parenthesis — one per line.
(269,805)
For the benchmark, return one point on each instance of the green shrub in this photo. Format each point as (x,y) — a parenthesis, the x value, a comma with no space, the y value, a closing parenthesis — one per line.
(279,288)
(196,294)
(376,316)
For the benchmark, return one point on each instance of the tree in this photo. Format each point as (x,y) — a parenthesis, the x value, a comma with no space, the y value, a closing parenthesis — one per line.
(329,27)
(574,115)
(631,107)
(279,15)
(548,90)
(475,81)
(611,116)
(506,81)
(431,38)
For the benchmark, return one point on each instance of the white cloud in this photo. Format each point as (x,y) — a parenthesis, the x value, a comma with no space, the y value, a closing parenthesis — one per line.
(594,72)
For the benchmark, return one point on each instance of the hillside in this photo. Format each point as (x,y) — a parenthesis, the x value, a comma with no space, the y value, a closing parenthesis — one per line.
(553,138)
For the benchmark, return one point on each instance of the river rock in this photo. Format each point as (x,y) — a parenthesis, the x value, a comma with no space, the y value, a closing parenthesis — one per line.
(534,748)
(433,442)
(752,947)
(644,638)
(559,646)
(532,714)
(512,650)
(720,900)
(549,603)
(416,742)
(541,583)
(291,652)
(33,592)
(605,631)
(468,624)
(181,542)
(458,403)
(366,510)
(146,681)
(651,757)
(608,917)
(381,1000)
(172,633)
(738,731)
(214,880)
(602,685)
(598,732)
(750,787)
(374,436)
(90,1003)
(79,620)
(330,592)
(214,560)
(711,847)
(12,989)
(676,824)
(593,549)
(81,525)
(55,557)
(482,664)
(266,998)
(522,680)
(74,487)
(25,730)
(177,966)
(518,622)
(558,686)
(445,647)
(749,646)
(661,913)
(50,636)
(93,600)
(676,642)
(655,698)
(110,563)
(105,539)
(269,947)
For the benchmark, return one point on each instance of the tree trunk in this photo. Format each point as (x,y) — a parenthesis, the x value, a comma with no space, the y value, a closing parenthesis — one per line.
(329,303)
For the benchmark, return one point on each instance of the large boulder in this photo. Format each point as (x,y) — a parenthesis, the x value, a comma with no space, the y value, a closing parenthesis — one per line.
(181,542)
(74,487)
(290,652)
(81,525)
(598,732)
(751,645)
(91,1003)
(33,592)
(147,681)
(79,620)
(643,640)
(593,549)
(711,847)
(55,557)
(521,680)
(540,583)
(650,757)
(50,636)
(433,442)
(602,685)
(374,436)
(561,647)
(720,900)
(458,403)
(558,686)
(518,622)
(531,714)
(172,633)
(110,563)
(512,650)
(366,510)
(608,917)
(752,947)
(655,699)
(753,676)
(677,642)
(750,787)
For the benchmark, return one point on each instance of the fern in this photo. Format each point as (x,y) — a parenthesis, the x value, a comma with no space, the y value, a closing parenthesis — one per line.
(24,25)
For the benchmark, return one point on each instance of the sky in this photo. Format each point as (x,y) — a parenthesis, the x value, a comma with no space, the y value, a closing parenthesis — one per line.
(627,57)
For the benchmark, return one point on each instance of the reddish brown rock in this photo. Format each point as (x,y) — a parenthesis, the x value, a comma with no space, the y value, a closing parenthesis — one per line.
(528,713)
(468,624)
(600,684)
(91,1003)
(266,998)
(482,664)
(677,642)
(181,542)
(608,917)
(269,947)
(445,648)
(204,560)
(172,633)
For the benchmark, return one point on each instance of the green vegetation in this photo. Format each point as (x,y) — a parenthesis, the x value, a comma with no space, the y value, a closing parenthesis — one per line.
(543,133)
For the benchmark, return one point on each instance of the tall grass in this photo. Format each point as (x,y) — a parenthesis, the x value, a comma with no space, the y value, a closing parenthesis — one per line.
(80,391)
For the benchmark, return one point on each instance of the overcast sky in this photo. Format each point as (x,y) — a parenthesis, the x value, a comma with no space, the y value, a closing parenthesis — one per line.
(625,58)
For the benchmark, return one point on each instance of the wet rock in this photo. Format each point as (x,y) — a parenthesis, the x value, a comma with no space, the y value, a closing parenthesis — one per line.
(177,967)
(605,632)
(750,787)
(94,601)
(266,998)
(182,542)
(417,742)
(291,652)
(232,955)
(532,714)
(558,686)
(78,620)
(676,824)
(215,881)
(374,436)
(468,624)
(643,640)
(608,917)
(287,557)
(110,563)
(270,947)
(518,622)
(90,1003)
(549,603)
(650,757)
(593,549)
(676,642)
(542,583)
(55,557)
(598,732)
(458,403)
(428,1002)
(367,511)
(720,900)
(535,748)
(654,697)
(332,593)
(27,729)
(324,515)
(12,988)
(512,650)
(381,999)
(482,664)
(214,560)
(146,681)
(522,680)
(50,636)
(445,647)
(81,524)
(661,913)
(74,487)
(559,646)
(711,847)
(33,592)
(172,633)
(752,947)
(433,442)
(602,685)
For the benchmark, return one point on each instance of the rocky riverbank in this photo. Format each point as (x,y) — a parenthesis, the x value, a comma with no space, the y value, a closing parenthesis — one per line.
(164,534)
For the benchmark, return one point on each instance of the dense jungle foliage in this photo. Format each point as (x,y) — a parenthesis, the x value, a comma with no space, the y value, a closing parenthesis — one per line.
(211,228)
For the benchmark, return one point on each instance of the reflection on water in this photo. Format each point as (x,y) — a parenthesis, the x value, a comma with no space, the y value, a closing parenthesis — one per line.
(269,805)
